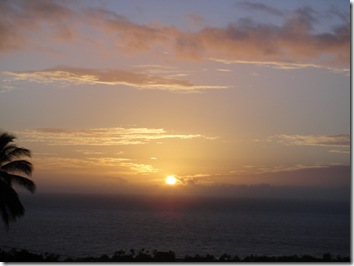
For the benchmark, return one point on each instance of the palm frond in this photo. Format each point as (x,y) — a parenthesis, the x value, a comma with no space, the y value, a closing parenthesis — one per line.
(21,181)
(11,152)
(19,152)
(11,207)
(11,164)
(4,177)
(5,151)
(5,139)
(4,214)
(19,166)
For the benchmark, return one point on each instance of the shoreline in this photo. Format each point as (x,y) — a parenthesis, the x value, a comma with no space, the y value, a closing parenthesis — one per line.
(23,255)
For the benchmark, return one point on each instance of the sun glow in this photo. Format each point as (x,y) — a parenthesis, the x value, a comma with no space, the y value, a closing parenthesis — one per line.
(171,180)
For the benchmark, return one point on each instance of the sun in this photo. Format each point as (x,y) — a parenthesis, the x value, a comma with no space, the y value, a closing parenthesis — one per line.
(171,180)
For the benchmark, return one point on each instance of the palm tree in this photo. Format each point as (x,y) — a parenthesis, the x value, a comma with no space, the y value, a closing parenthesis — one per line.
(12,167)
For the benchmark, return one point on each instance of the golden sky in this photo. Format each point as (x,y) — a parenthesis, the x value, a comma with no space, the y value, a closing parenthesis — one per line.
(116,95)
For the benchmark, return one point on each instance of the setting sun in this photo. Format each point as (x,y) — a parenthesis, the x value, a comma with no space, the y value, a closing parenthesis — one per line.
(171,180)
(187,132)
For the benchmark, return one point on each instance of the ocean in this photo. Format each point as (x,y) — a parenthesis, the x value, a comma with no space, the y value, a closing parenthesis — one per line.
(93,225)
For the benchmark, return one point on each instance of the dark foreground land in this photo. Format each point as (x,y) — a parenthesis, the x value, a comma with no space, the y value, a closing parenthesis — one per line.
(16,255)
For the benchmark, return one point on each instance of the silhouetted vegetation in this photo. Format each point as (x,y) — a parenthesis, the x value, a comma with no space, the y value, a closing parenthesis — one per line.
(142,255)
(22,255)
(12,167)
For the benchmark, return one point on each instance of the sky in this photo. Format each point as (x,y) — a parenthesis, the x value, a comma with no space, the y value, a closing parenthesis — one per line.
(114,96)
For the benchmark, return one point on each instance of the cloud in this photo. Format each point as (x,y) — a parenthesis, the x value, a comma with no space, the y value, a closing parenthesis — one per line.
(223,70)
(281,65)
(334,11)
(90,152)
(196,21)
(90,165)
(258,170)
(340,151)
(268,191)
(26,23)
(261,7)
(102,136)
(318,174)
(109,77)
(22,21)
(85,160)
(196,179)
(291,42)
(341,140)
(136,168)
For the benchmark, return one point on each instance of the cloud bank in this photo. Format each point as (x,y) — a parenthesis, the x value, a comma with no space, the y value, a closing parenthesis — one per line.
(28,24)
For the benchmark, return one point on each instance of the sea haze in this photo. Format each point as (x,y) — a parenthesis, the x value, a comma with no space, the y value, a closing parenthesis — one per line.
(93,225)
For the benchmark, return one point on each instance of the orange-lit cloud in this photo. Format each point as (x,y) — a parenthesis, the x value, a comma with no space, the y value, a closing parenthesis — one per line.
(102,136)
(110,77)
(92,165)
(123,163)
(292,42)
(20,19)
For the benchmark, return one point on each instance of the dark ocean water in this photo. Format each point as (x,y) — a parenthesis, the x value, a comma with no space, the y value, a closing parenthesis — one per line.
(80,226)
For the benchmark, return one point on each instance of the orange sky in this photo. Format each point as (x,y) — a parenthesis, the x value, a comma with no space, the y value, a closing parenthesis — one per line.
(114,96)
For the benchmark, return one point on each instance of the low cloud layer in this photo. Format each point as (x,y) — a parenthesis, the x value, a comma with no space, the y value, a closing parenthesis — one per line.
(32,24)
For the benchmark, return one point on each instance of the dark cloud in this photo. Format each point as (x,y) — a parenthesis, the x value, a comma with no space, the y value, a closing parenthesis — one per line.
(324,176)
(187,180)
(304,17)
(330,182)
(22,24)
(261,7)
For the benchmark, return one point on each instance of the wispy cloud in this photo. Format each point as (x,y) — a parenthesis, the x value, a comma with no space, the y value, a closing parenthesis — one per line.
(291,42)
(223,70)
(89,165)
(282,65)
(102,136)
(341,140)
(257,170)
(124,163)
(340,151)
(89,152)
(109,77)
